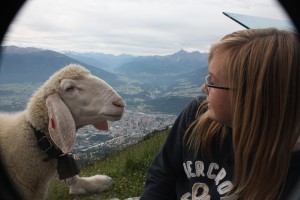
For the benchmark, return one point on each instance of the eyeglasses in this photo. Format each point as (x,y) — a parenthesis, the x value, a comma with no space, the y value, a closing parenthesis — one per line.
(210,85)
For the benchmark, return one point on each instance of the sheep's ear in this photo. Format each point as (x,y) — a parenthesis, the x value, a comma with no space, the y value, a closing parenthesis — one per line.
(62,128)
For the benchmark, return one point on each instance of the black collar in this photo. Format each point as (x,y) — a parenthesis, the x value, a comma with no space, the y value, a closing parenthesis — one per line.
(66,164)
(46,145)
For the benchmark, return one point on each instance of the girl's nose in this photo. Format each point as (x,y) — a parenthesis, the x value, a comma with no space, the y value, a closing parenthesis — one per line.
(203,89)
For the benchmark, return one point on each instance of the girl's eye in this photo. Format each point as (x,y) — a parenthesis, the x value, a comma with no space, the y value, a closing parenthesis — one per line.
(209,80)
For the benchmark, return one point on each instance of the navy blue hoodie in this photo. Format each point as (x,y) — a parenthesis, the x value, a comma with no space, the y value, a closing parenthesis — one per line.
(176,173)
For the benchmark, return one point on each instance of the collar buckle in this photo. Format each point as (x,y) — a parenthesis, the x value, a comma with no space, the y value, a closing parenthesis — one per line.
(45,144)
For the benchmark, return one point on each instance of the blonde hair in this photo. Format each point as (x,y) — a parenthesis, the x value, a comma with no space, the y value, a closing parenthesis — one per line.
(263,69)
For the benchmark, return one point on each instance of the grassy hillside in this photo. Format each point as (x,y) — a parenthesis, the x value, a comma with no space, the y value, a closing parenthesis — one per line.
(127,168)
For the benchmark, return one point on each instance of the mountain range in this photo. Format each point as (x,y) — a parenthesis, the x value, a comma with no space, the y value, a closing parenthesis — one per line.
(19,65)
(148,83)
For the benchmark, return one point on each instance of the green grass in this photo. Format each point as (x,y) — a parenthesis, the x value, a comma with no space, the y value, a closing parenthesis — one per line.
(127,168)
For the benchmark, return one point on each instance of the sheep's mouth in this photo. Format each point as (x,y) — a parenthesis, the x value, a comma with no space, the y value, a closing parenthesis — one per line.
(101,125)
(112,117)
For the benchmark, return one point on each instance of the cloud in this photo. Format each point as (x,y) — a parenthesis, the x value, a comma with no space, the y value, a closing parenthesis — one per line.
(139,27)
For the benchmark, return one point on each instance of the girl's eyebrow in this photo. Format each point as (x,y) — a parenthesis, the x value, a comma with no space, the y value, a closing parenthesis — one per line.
(211,74)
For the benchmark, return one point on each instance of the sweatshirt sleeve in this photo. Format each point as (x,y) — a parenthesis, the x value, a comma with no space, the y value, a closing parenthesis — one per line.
(167,166)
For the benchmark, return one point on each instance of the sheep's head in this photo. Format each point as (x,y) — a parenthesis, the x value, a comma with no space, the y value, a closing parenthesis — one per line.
(91,101)
(75,98)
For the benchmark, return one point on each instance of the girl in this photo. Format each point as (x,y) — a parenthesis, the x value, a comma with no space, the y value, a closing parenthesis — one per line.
(243,141)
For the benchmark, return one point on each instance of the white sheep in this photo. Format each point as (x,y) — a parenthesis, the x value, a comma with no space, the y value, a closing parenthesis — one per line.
(70,99)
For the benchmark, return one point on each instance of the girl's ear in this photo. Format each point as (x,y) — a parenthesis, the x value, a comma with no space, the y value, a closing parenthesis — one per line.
(62,128)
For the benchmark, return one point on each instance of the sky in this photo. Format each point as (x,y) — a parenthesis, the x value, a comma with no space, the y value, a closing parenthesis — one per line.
(135,27)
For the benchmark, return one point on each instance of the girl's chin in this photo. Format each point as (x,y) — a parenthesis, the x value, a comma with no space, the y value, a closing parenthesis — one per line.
(209,114)
(220,120)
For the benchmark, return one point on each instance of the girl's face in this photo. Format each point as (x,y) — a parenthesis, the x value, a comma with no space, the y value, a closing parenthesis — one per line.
(219,101)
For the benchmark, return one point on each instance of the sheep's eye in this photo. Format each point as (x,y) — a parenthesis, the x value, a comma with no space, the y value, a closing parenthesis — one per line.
(69,88)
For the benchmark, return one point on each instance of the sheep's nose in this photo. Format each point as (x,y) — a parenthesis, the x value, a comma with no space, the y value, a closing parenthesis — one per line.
(119,103)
